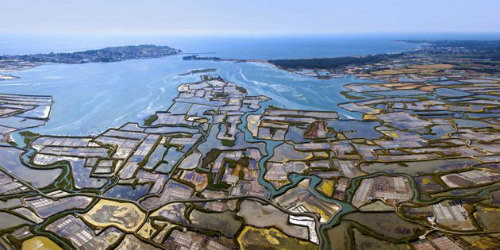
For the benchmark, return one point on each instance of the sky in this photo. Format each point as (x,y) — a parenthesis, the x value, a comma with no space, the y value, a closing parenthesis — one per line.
(249,16)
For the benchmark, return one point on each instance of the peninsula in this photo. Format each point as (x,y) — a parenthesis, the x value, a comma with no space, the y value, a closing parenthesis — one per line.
(110,54)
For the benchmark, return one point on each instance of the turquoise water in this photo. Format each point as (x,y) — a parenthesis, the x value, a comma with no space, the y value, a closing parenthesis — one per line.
(89,98)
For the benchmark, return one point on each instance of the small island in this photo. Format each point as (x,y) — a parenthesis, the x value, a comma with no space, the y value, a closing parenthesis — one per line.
(198,71)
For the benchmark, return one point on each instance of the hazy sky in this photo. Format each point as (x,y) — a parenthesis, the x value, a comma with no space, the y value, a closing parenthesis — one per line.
(249,16)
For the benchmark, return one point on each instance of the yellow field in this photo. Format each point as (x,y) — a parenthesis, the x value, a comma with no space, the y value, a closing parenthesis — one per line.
(327,187)
(40,243)
(432,66)
(123,215)
(270,238)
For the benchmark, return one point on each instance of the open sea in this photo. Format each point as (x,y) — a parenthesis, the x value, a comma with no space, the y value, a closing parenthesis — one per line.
(89,98)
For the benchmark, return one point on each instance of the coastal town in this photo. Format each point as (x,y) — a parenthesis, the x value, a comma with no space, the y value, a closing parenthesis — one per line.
(222,169)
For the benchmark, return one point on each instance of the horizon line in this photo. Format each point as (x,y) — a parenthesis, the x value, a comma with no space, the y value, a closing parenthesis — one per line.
(241,34)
